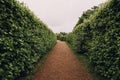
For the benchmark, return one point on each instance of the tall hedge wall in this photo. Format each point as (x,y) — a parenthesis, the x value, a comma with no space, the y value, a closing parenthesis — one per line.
(23,39)
(99,37)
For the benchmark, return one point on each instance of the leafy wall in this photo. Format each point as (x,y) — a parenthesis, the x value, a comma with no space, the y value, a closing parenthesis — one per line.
(23,39)
(98,36)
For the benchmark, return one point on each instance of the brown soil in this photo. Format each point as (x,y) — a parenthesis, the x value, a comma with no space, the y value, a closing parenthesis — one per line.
(62,64)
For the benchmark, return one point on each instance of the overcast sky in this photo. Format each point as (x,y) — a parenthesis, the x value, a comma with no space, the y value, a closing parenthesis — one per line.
(60,15)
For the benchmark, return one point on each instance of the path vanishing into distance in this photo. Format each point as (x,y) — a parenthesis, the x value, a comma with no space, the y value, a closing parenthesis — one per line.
(62,64)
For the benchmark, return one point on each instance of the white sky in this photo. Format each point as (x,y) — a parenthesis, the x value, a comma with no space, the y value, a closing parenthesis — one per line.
(60,15)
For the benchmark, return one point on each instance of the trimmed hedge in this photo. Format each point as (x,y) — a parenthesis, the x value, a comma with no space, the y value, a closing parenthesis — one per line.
(61,36)
(99,37)
(23,39)
(105,44)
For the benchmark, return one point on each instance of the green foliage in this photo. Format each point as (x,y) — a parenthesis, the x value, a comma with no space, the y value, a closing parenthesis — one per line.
(81,32)
(61,36)
(82,37)
(70,38)
(98,35)
(23,39)
(105,46)
(86,15)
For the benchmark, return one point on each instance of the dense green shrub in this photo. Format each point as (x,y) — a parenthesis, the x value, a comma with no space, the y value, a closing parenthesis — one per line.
(70,38)
(81,34)
(86,15)
(105,44)
(82,37)
(98,35)
(23,39)
(61,36)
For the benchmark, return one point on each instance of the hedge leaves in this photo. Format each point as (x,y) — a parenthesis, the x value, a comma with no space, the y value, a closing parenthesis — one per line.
(23,39)
(97,34)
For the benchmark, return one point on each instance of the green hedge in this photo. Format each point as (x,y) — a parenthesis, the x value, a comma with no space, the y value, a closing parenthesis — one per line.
(61,36)
(99,37)
(82,37)
(70,38)
(105,44)
(23,39)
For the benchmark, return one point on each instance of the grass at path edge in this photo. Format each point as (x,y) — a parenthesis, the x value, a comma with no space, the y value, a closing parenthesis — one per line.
(86,63)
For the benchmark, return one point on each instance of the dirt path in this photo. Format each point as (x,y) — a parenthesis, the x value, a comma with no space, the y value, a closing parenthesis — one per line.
(62,64)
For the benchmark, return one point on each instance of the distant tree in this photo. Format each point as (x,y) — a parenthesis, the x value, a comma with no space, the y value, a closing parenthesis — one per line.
(86,15)
(61,36)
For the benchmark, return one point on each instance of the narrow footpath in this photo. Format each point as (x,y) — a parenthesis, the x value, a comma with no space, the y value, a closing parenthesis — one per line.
(62,64)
